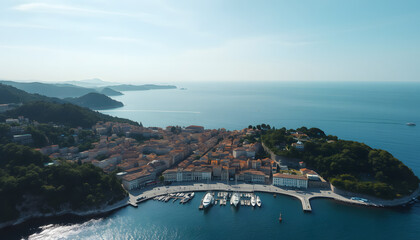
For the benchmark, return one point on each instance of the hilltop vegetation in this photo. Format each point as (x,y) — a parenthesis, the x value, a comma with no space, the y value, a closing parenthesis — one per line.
(66,114)
(95,101)
(23,176)
(51,90)
(9,94)
(348,165)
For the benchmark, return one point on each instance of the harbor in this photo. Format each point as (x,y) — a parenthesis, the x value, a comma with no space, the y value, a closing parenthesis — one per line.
(221,198)
(304,196)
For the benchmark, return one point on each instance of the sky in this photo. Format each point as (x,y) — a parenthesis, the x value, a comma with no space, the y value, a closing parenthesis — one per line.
(136,41)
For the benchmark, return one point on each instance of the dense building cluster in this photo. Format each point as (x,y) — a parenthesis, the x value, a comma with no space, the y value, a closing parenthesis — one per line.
(141,155)
(231,158)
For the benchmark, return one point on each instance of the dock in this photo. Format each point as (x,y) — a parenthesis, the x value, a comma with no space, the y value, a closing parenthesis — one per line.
(133,204)
(201,207)
(306,205)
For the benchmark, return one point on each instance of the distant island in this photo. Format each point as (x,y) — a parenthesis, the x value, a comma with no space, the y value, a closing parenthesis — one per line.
(67,90)
(128,87)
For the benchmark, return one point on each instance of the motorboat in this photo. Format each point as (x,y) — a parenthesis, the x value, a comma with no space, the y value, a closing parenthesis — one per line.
(258,201)
(253,200)
(410,124)
(208,200)
(235,199)
(359,199)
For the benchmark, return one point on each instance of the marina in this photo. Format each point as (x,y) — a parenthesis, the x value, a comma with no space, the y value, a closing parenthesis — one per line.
(211,198)
(222,195)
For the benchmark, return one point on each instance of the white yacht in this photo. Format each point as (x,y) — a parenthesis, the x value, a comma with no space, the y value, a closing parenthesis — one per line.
(253,200)
(208,200)
(258,201)
(234,200)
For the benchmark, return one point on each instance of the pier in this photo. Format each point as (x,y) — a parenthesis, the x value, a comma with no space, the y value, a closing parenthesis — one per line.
(306,205)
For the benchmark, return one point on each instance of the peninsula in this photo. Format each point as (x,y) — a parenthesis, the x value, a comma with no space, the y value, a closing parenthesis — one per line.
(60,158)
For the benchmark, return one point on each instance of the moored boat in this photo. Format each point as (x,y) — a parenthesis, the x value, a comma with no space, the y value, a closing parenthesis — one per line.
(208,200)
(235,199)
(258,201)
(253,200)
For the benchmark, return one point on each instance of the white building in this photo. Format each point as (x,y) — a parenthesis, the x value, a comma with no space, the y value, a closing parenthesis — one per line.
(299,145)
(137,180)
(239,152)
(186,175)
(288,180)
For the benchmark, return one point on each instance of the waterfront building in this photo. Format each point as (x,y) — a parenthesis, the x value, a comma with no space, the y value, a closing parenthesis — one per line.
(188,174)
(137,180)
(253,176)
(289,180)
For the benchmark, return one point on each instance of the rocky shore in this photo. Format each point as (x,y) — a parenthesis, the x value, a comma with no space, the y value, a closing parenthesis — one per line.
(90,212)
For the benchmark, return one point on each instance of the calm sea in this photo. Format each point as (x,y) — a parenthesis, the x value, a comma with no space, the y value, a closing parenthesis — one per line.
(373,113)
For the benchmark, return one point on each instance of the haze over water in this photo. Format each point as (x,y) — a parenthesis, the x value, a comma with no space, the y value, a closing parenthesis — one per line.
(373,113)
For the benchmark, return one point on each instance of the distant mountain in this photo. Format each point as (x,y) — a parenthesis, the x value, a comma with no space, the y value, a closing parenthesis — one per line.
(51,90)
(68,90)
(91,83)
(95,101)
(129,87)
(9,94)
(110,92)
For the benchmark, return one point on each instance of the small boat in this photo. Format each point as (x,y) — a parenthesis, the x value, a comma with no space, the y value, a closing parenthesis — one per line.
(253,200)
(280,219)
(274,195)
(258,201)
(174,200)
(410,124)
(359,199)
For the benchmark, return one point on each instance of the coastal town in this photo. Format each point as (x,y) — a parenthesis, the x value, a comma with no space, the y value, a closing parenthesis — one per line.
(144,156)
(234,164)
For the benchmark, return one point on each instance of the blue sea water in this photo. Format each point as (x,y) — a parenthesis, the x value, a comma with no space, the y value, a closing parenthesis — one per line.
(373,113)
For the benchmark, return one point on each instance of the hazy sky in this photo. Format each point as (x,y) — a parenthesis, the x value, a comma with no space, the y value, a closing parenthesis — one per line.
(196,40)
